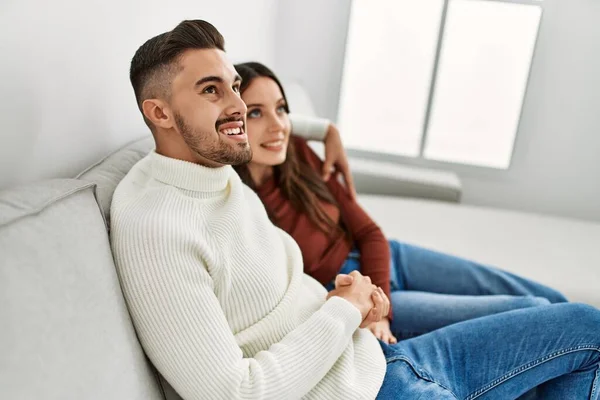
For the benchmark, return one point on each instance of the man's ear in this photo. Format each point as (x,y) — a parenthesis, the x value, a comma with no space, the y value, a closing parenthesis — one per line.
(158,112)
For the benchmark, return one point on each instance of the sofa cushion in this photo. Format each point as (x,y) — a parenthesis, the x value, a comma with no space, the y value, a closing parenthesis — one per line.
(108,172)
(66,333)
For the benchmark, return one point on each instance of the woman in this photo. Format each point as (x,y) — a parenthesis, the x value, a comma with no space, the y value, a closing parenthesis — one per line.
(427,290)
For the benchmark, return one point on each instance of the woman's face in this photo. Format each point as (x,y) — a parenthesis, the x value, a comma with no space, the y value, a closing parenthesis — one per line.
(268,125)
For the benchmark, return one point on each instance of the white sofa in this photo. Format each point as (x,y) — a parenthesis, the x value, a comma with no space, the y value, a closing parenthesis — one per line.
(66,333)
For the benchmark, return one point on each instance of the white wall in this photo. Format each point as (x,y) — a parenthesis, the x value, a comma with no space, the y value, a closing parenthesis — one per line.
(65,97)
(311,37)
(556,163)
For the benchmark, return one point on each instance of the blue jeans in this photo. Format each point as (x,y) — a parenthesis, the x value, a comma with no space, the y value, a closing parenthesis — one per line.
(430,290)
(553,348)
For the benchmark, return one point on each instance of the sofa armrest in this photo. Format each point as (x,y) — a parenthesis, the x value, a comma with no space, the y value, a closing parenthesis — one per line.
(385,178)
(393,179)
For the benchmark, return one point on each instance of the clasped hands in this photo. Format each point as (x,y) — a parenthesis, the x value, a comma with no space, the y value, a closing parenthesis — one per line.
(369,299)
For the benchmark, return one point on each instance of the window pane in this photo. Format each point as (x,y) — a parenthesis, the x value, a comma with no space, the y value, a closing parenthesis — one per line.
(388,67)
(482,77)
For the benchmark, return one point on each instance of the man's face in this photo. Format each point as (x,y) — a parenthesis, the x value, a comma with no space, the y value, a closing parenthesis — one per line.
(208,110)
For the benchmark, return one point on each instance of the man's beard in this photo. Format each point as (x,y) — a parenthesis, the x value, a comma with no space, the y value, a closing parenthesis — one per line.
(220,152)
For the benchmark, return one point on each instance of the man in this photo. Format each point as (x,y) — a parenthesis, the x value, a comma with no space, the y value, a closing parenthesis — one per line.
(218,296)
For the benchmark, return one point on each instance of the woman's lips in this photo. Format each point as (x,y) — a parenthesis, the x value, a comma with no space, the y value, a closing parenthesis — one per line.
(275,145)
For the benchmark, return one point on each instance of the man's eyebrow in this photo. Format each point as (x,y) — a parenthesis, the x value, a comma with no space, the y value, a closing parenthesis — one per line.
(217,79)
(211,78)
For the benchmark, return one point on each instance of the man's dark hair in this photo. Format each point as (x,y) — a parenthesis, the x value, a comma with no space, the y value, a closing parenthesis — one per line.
(155,63)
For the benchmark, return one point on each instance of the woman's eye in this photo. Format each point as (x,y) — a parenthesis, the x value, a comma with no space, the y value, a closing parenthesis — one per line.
(281,110)
(253,114)
(210,90)
(236,88)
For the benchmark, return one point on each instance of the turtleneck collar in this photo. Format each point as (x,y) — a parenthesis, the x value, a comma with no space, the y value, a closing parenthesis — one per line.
(189,176)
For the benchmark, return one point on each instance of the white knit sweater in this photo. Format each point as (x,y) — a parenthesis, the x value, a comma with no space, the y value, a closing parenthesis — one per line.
(218,295)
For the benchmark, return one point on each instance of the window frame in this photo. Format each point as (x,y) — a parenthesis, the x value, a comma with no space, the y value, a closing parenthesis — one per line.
(420,160)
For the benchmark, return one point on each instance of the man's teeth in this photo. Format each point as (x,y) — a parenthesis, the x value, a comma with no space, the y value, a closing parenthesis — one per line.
(274,144)
(233,131)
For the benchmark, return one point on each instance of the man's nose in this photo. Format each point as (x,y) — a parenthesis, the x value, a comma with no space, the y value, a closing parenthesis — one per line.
(235,104)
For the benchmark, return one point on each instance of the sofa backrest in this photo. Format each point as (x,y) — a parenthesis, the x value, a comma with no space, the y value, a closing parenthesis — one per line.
(106,175)
(66,332)
(108,172)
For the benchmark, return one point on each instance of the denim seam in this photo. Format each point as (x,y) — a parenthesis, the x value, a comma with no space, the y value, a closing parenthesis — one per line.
(595,385)
(421,373)
(529,366)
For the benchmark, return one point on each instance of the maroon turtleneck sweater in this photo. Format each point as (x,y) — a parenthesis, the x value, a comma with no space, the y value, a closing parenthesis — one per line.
(323,254)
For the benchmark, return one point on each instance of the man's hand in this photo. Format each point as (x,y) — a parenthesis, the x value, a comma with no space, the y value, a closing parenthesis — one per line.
(336,159)
(366,297)
(382,331)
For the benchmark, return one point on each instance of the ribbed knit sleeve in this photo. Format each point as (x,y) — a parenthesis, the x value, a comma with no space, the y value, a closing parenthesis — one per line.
(186,335)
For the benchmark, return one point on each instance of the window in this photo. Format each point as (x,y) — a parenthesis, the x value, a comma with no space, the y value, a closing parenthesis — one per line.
(390,58)
(439,79)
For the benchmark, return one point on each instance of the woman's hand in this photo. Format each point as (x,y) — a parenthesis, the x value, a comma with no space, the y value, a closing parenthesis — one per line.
(382,331)
(336,159)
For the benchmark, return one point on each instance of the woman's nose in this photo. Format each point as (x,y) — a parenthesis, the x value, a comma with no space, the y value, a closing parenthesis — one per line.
(276,124)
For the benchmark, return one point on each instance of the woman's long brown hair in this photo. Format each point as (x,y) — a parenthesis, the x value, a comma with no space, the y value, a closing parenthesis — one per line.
(298,181)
